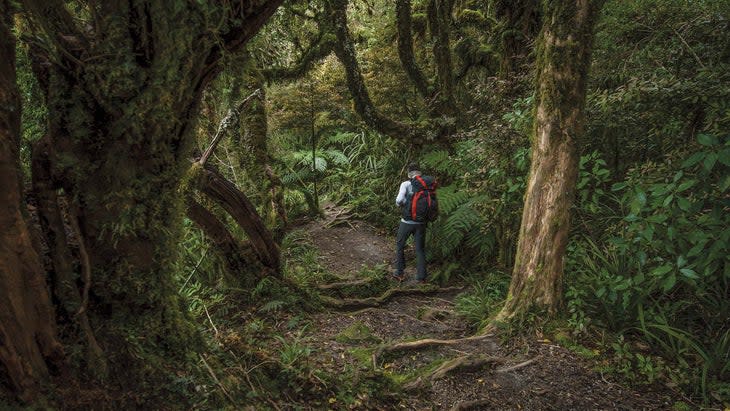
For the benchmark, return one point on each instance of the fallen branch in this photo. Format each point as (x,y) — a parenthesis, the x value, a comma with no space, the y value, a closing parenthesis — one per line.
(421,344)
(355,303)
(230,118)
(467,362)
(518,366)
(217,381)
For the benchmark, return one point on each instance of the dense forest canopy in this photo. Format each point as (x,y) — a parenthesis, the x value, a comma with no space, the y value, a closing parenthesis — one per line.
(174,175)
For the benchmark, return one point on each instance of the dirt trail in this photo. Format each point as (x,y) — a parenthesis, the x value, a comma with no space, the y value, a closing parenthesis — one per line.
(535,375)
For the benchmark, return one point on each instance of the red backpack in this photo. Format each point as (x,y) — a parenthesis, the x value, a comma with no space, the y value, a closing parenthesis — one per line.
(421,203)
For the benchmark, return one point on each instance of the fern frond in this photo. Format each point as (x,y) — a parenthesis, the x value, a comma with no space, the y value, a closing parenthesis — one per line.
(273,305)
(438,162)
(337,157)
(450,198)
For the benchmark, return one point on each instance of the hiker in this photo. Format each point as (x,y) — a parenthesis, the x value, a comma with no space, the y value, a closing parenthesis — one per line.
(417,198)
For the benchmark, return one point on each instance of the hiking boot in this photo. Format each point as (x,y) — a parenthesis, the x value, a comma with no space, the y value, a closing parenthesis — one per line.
(421,281)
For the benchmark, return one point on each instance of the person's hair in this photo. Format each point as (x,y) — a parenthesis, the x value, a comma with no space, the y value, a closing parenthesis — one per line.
(413,170)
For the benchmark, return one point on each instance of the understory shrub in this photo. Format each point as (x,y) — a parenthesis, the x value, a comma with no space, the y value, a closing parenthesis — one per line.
(660,271)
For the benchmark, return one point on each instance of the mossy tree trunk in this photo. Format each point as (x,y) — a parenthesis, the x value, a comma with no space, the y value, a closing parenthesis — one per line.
(28,339)
(439,21)
(563,59)
(122,93)
(521,20)
(253,150)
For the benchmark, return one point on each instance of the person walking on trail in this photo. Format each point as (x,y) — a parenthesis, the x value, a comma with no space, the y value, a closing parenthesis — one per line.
(417,199)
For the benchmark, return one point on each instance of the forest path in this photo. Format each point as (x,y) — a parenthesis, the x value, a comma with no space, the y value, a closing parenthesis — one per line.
(488,374)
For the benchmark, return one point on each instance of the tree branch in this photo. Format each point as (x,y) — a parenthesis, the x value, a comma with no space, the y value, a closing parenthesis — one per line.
(244,213)
(317,51)
(345,52)
(405,47)
(230,119)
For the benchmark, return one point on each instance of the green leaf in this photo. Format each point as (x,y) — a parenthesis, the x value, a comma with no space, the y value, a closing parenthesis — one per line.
(661,270)
(686,185)
(710,161)
(689,273)
(725,184)
(679,175)
(694,159)
(696,250)
(683,203)
(668,200)
(669,282)
(648,233)
(724,156)
(618,186)
(657,218)
(624,285)
(707,139)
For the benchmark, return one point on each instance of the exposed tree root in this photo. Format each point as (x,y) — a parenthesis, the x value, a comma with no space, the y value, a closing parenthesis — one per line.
(344,284)
(420,344)
(464,363)
(355,303)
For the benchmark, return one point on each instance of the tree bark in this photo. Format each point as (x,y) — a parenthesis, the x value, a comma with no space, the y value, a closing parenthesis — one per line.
(122,96)
(521,21)
(233,253)
(253,151)
(439,19)
(28,340)
(71,304)
(244,213)
(563,59)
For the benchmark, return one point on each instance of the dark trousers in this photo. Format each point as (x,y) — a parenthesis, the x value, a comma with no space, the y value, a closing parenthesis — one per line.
(419,237)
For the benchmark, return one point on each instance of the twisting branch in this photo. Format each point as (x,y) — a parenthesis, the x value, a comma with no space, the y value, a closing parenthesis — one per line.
(230,119)
(244,213)
(439,18)
(58,24)
(345,52)
(405,47)
(319,49)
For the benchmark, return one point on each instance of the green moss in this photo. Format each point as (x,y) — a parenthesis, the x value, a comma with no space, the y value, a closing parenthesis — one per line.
(357,333)
(414,374)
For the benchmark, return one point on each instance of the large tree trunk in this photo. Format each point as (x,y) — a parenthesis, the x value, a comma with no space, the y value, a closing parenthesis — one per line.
(28,339)
(439,20)
(563,58)
(122,96)
(252,149)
